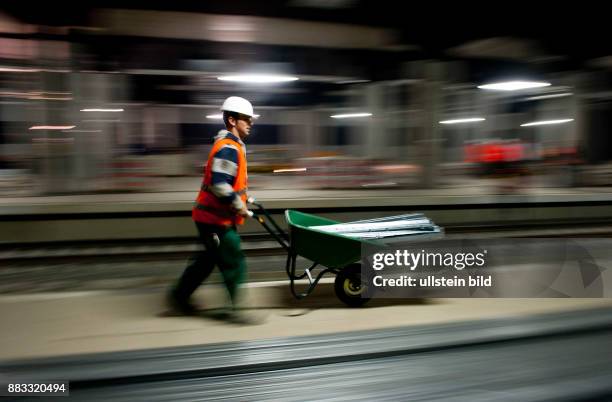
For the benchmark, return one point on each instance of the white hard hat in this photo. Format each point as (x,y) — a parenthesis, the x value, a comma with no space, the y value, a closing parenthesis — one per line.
(238,105)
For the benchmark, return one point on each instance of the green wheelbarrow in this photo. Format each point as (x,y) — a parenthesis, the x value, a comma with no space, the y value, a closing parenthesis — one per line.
(336,253)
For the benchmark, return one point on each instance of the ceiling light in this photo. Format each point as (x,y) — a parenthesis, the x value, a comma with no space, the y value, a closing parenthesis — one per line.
(467,120)
(546,122)
(101,110)
(258,78)
(350,115)
(52,127)
(514,85)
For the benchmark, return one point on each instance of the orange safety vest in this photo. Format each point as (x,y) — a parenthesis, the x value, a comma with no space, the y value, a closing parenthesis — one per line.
(208,209)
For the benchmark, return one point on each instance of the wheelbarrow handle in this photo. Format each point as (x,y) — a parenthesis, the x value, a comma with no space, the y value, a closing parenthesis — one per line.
(279,235)
(251,200)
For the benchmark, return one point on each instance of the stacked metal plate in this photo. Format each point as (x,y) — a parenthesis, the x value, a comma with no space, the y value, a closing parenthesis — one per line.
(399,226)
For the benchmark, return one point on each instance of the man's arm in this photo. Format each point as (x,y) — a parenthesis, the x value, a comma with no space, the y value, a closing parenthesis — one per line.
(224,171)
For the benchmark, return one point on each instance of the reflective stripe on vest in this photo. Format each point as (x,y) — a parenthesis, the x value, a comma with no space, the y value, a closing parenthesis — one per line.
(206,187)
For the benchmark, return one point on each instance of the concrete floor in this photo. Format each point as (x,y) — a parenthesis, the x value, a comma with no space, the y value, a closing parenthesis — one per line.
(55,324)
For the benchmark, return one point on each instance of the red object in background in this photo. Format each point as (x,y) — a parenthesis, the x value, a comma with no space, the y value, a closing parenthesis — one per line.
(493,152)
(513,152)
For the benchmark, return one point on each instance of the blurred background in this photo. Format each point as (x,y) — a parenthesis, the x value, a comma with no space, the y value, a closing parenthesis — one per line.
(110,96)
(491,119)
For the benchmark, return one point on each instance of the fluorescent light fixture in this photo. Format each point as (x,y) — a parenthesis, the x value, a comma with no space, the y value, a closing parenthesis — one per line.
(467,120)
(350,115)
(220,116)
(52,127)
(4,69)
(289,170)
(257,78)
(101,110)
(546,122)
(514,85)
(562,95)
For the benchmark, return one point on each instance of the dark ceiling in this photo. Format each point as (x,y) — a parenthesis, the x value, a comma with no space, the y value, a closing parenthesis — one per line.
(575,34)
(578,31)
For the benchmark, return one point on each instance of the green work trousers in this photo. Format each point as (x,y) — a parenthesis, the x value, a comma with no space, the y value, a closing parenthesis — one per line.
(222,249)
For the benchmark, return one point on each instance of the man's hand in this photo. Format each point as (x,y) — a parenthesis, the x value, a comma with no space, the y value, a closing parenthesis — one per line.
(243,212)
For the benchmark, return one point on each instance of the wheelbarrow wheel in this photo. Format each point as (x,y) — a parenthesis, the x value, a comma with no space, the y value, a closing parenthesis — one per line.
(349,286)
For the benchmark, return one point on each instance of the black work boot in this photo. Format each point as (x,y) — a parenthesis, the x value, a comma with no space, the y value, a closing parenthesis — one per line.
(179,305)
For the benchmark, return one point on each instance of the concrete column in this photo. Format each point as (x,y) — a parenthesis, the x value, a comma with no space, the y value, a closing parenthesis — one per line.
(375,137)
(429,143)
(58,149)
(298,131)
(95,132)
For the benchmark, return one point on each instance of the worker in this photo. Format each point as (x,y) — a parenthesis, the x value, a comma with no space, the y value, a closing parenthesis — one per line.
(219,208)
